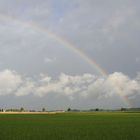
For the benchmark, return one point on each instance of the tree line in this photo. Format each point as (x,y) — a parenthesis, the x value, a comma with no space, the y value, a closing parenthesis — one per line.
(20,110)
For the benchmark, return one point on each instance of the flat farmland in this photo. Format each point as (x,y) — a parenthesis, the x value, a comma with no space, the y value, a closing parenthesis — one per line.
(70,126)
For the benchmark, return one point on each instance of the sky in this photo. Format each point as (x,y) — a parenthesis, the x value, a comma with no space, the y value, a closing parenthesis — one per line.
(60,54)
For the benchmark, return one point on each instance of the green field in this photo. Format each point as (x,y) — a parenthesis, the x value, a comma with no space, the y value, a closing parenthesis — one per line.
(71,126)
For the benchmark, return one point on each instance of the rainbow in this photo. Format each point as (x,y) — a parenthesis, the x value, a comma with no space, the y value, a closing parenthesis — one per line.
(59,39)
(92,63)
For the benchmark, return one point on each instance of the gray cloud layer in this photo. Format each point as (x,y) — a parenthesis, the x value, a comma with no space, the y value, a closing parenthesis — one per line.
(104,30)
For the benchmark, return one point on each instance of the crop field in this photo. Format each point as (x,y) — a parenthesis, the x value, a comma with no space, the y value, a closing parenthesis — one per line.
(70,126)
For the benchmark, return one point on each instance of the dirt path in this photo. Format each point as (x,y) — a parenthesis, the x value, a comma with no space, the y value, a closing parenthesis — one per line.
(29,112)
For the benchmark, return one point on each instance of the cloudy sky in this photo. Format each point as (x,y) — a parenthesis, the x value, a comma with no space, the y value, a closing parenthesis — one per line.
(39,68)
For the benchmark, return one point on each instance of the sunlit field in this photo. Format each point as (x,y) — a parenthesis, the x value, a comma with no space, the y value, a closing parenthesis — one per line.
(70,126)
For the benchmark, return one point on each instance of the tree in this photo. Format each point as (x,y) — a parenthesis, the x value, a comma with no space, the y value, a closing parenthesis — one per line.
(97,109)
(123,109)
(21,109)
(43,109)
(69,109)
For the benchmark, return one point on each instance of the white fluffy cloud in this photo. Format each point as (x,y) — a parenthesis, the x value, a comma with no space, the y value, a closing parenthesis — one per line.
(78,86)
(9,82)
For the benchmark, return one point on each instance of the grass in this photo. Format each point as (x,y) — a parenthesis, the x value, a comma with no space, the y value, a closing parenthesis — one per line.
(70,126)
